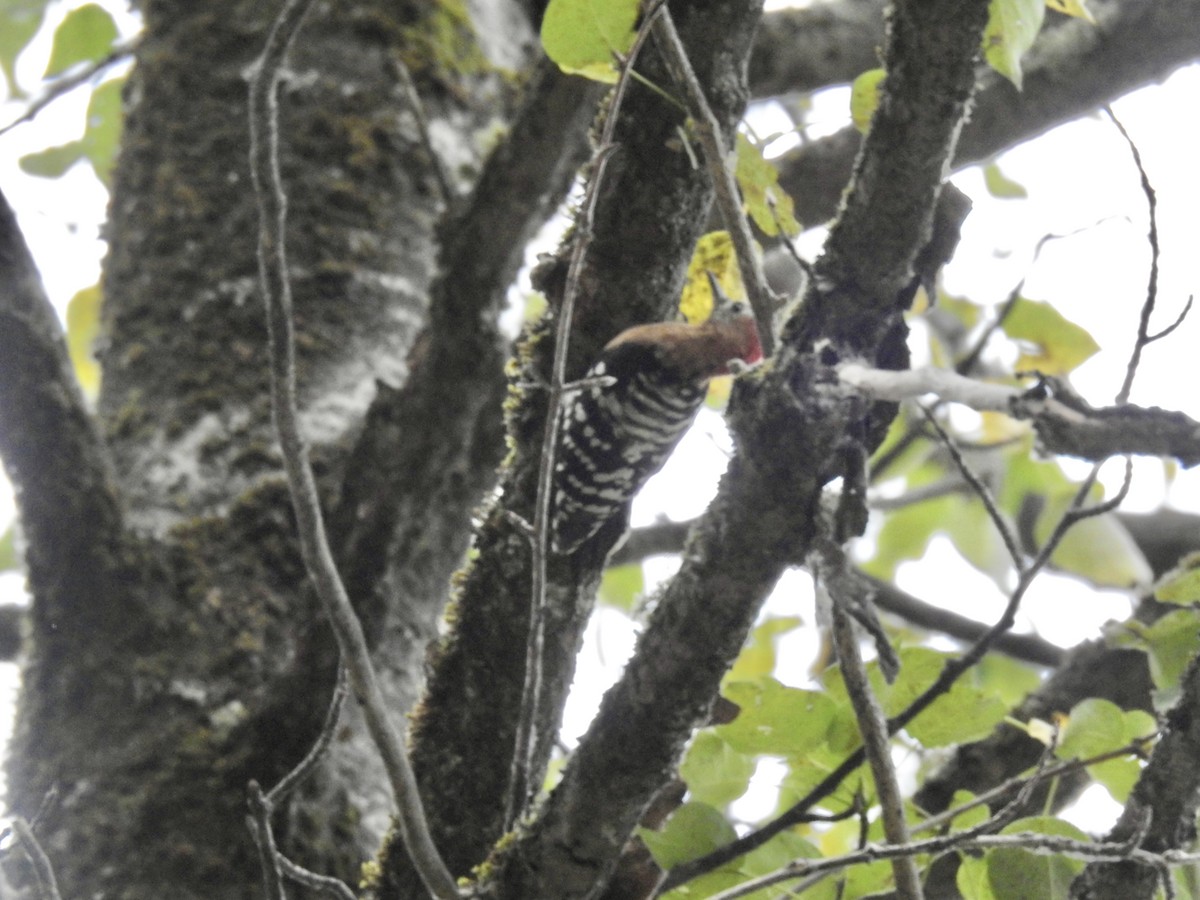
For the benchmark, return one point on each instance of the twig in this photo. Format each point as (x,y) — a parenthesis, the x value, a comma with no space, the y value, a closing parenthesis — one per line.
(1024,784)
(981,491)
(43,871)
(1159,335)
(314,545)
(334,887)
(324,739)
(531,689)
(872,724)
(418,111)
(1143,332)
(275,865)
(716,156)
(1042,844)
(259,822)
(71,80)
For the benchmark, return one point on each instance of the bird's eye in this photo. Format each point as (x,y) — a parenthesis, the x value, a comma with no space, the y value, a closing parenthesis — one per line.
(738,308)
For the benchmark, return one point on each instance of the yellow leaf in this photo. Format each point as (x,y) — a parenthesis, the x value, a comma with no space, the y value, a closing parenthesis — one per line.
(1057,345)
(864,97)
(83,324)
(714,253)
(1076,8)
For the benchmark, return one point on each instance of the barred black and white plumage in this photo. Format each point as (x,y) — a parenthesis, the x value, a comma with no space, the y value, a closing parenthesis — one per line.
(616,433)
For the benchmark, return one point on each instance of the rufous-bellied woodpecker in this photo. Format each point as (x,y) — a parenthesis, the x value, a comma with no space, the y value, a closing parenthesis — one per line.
(646,389)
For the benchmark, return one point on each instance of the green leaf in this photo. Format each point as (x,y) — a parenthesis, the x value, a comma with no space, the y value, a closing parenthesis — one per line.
(621,586)
(86,34)
(1098,549)
(807,770)
(83,324)
(1000,185)
(581,36)
(1012,27)
(98,144)
(976,815)
(19,22)
(1171,643)
(864,97)
(715,773)
(758,658)
(906,533)
(1182,584)
(769,205)
(8,549)
(1094,726)
(104,119)
(1117,776)
(1057,345)
(775,719)
(1005,678)
(770,857)
(693,830)
(975,536)
(972,878)
(964,713)
(53,161)
(1020,874)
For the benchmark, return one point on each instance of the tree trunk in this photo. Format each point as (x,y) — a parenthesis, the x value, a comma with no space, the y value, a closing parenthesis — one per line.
(177,652)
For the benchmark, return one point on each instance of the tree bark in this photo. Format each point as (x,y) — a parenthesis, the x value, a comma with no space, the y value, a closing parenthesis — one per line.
(176,652)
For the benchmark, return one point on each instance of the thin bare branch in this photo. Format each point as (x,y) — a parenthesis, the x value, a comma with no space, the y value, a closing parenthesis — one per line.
(333,887)
(274,282)
(1011,543)
(1187,308)
(1143,332)
(829,564)
(305,767)
(43,872)
(417,108)
(1022,783)
(259,822)
(523,755)
(71,80)
(716,159)
(1042,844)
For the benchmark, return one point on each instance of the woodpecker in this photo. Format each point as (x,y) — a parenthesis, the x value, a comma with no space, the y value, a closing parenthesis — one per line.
(647,387)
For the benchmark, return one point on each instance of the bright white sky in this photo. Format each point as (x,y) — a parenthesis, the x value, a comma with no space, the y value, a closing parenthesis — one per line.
(1079,176)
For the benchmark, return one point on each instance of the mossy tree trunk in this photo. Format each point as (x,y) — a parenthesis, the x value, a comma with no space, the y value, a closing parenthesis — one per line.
(176,651)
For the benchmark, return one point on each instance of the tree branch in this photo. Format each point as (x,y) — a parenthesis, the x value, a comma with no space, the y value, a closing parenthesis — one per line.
(397,474)
(64,481)
(716,160)
(872,723)
(1168,793)
(652,208)
(1134,43)
(762,519)
(802,50)
(1065,423)
(43,872)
